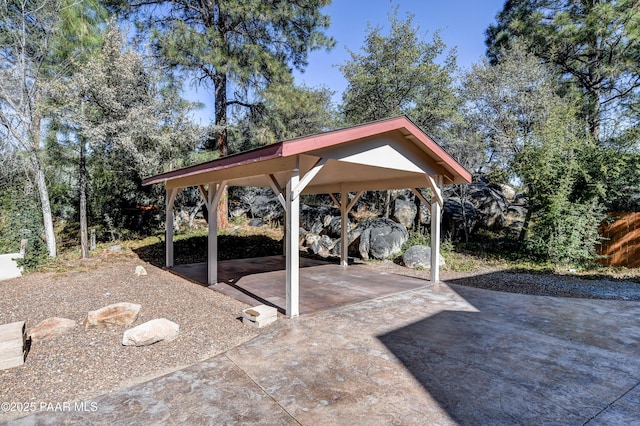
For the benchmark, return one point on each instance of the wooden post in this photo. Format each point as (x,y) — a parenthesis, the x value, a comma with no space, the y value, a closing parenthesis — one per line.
(168,225)
(344,224)
(292,234)
(215,193)
(435,230)
(212,236)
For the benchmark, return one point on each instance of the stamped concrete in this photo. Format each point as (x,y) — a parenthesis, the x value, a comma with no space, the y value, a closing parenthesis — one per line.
(438,355)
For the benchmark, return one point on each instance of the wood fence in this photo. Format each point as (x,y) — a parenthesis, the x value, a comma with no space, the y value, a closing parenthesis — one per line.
(621,244)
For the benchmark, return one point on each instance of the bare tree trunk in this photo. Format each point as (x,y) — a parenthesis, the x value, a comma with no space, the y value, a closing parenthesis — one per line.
(82,183)
(465,222)
(220,81)
(43,192)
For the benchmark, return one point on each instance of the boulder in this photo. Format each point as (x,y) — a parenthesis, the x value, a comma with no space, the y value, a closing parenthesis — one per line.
(321,220)
(420,257)
(404,211)
(508,192)
(490,204)
(266,207)
(256,222)
(453,218)
(52,327)
(323,246)
(379,238)
(116,314)
(156,330)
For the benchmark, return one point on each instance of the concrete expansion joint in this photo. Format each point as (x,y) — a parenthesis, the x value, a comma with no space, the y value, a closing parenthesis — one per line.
(611,404)
(226,355)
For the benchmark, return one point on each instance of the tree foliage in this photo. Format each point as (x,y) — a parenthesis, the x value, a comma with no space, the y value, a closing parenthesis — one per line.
(399,73)
(535,134)
(27,31)
(594,44)
(286,111)
(129,119)
(234,46)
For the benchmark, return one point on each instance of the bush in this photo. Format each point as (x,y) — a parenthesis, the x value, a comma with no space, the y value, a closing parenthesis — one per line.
(20,218)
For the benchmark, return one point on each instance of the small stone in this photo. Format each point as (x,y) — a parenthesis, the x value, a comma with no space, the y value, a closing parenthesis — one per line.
(156,330)
(115,248)
(52,327)
(116,314)
(140,271)
(260,312)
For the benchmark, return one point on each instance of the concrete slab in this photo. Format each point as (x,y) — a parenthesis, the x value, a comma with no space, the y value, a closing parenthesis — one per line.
(438,355)
(8,266)
(323,285)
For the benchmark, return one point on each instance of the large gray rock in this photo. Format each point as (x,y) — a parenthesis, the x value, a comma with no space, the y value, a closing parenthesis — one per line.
(322,220)
(156,330)
(490,204)
(453,218)
(323,246)
(116,314)
(420,257)
(404,211)
(51,327)
(379,238)
(266,207)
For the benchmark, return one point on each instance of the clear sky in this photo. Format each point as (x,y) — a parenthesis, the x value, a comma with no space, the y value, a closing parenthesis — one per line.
(461,23)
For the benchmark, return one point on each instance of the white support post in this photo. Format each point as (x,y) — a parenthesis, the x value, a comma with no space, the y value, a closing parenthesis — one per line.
(436,206)
(292,234)
(168,226)
(213,199)
(344,234)
(212,237)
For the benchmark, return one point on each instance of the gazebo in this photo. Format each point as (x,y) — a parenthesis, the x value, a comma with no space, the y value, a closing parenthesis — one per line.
(383,155)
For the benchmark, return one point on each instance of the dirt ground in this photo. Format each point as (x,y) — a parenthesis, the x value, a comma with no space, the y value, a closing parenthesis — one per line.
(87,363)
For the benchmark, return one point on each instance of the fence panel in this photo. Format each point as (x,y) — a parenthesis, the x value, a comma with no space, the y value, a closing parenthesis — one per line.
(621,244)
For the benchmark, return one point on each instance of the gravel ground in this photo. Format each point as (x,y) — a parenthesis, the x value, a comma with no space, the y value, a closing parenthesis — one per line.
(526,283)
(87,363)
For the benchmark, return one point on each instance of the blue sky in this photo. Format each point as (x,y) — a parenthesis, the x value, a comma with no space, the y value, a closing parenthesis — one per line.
(461,23)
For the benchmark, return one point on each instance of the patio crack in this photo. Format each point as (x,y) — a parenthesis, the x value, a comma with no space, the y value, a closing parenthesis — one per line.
(611,404)
(263,389)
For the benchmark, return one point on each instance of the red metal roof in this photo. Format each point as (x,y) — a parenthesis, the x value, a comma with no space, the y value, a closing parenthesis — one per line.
(307,144)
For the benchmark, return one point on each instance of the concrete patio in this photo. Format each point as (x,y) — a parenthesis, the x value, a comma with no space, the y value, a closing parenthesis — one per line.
(441,354)
(324,285)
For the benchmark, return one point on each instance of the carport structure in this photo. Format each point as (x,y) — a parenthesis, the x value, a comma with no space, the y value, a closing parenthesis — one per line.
(382,155)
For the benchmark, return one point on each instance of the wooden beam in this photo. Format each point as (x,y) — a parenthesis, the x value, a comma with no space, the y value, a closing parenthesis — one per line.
(354,201)
(335,200)
(437,192)
(308,177)
(203,194)
(277,189)
(418,194)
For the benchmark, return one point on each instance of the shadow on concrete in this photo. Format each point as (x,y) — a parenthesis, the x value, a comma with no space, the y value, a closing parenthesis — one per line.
(542,360)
